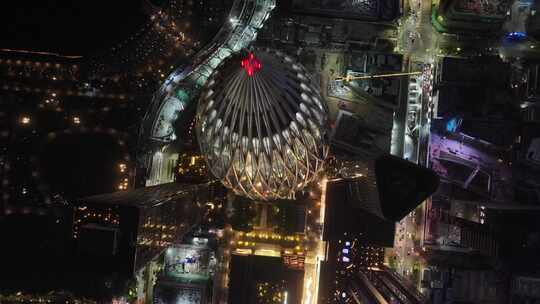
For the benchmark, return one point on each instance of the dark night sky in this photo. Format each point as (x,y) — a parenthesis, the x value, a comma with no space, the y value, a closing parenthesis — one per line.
(69,27)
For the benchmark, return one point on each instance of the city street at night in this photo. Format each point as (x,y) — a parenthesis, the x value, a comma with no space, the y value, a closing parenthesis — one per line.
(270,152)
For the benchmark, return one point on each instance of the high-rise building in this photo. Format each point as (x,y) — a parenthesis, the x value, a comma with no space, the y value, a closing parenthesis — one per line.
(361,210)
(110,237)
(186,274)
(459,16)
(261,125)
(157,217)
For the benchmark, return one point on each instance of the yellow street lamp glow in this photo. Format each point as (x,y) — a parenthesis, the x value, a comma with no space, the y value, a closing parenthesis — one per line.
(25,120)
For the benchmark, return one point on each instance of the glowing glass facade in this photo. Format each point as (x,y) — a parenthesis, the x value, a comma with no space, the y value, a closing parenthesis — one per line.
(261,125)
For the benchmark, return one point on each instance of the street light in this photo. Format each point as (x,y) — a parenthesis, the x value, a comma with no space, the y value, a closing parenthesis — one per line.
(25,120)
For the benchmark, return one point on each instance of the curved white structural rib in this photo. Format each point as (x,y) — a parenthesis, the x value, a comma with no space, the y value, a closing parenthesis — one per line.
(261,125)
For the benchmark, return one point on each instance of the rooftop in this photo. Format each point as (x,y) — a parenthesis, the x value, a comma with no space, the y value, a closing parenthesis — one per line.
(496,8)
(148,197)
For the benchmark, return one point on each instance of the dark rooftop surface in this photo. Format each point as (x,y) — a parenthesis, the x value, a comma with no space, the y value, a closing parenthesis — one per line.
(384,10)
(486,70)
(147,196)
(42,258)
(248,271)
(356,218)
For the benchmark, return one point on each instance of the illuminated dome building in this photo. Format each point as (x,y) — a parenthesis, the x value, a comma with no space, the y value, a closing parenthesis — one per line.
(261,125)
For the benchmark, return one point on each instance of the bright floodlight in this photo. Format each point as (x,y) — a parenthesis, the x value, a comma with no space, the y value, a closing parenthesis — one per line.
(261,125)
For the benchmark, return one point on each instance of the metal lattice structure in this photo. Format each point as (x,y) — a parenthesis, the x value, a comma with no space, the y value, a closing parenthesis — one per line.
(261,125)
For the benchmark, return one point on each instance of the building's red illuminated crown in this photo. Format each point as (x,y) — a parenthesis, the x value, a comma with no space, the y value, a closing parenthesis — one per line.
(251,64)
